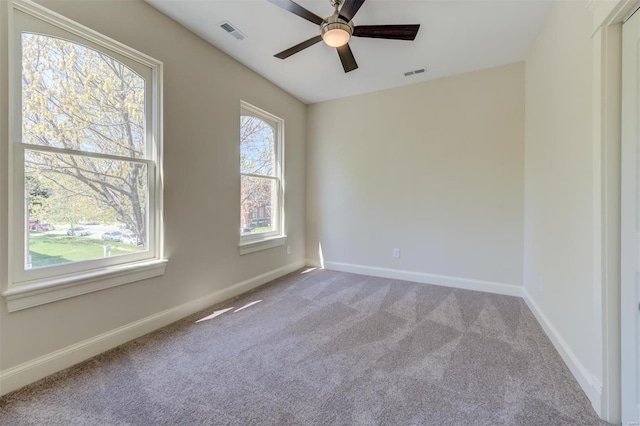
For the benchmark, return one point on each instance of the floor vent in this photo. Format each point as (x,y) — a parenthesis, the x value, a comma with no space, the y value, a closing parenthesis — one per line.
(228,27)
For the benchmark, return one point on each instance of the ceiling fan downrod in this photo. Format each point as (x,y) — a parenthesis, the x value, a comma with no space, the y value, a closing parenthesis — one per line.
(336,4)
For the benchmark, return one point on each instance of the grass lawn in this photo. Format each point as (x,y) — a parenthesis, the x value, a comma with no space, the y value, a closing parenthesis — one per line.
(46,250)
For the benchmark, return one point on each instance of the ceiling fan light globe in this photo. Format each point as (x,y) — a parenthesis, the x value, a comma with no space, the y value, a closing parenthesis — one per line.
(336,37)
(336,31)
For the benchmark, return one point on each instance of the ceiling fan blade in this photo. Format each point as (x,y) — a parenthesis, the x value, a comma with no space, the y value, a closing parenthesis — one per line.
(350,8)
(298,10)
(392,32)
(298,47)
(346,57)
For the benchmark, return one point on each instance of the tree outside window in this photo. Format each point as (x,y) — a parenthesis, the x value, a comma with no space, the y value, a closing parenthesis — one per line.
(260,169)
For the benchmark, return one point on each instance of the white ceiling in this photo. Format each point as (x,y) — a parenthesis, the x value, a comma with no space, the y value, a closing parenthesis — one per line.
(455,36)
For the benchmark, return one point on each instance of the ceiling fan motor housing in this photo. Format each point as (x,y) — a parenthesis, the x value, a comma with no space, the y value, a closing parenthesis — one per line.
(334,22)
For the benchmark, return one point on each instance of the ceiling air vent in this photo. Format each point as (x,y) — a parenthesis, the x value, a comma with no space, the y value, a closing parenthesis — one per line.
(228,27)
(410,73)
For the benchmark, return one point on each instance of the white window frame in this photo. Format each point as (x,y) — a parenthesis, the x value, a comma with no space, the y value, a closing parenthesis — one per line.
(33,287)
(256,242)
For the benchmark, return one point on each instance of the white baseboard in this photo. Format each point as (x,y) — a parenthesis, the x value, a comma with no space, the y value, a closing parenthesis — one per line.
(36,369)
(590,384)
(441,280)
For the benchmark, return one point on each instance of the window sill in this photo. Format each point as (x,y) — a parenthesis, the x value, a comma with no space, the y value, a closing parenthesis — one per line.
(38,293)
(267,243)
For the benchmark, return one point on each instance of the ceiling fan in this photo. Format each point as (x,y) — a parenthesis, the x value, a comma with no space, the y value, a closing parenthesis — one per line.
(337,29)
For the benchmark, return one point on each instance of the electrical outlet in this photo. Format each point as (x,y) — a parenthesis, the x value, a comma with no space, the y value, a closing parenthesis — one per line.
(288,249)
(540,283)
(395,253)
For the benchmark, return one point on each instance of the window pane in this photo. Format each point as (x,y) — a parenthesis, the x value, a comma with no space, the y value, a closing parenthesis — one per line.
(77,205)
(257,147)
(78,98)
(258,204)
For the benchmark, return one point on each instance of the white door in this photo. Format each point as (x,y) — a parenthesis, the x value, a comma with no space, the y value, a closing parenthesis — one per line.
(630,285)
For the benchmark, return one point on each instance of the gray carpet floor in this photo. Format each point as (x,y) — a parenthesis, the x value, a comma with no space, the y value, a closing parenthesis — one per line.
(323,348)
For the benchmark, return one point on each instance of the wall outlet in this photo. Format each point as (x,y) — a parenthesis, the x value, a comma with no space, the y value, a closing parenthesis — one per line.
(395,253)
(288,249)
(540,283)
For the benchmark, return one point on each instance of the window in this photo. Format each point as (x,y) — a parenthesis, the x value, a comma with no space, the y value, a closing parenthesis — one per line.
(261,170)
(86,161)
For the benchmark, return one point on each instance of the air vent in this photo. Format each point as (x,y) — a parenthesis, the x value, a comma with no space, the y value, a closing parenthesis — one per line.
(414,72)
(228,27)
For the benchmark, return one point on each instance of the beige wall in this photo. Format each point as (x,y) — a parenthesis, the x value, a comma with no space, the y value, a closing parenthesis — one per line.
(202,92)
(558,247)
(434,168)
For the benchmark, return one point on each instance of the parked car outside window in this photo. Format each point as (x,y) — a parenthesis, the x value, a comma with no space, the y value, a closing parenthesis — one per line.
(37,226)
(78,231)
(130,238)
(112,236)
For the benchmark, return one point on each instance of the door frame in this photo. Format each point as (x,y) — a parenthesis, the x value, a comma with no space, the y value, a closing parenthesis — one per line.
(607,102)
(629,260)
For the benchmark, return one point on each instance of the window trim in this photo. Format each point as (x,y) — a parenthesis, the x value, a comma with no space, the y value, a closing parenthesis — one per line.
(277,237)
(24,290)
(58,288)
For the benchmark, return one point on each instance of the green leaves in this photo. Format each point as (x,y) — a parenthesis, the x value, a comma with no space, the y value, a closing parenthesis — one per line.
(74,97)
(80,99)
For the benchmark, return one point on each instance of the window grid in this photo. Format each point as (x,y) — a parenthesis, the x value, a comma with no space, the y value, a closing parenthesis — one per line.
(262,215)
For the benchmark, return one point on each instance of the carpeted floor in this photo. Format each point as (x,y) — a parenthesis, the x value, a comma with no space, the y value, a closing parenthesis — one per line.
(324,348)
